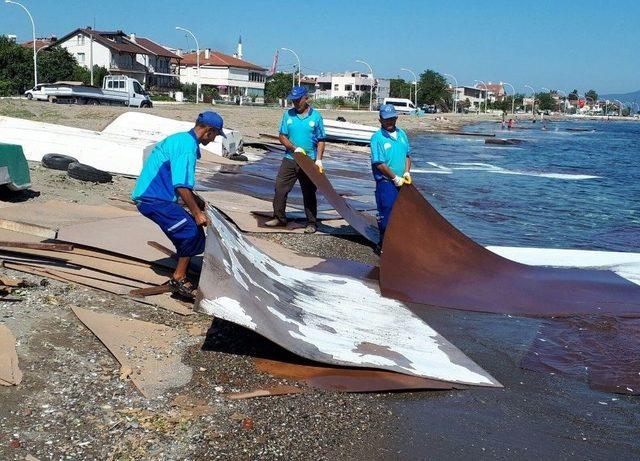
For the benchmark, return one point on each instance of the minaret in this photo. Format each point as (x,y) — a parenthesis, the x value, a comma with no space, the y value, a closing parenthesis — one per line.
(239,52)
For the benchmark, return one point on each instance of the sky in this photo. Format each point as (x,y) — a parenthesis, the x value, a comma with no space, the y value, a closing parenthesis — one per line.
(560,44)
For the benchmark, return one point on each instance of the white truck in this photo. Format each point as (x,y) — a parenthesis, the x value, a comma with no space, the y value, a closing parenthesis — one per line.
(116,90)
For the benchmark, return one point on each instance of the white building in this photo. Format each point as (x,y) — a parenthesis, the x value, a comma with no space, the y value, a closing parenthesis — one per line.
(475,96)
(120,54)
(231,75)
(350,85)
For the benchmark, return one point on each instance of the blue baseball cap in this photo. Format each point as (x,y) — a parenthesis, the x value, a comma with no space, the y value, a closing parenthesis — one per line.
(388,111)
(297,92)
(212,119)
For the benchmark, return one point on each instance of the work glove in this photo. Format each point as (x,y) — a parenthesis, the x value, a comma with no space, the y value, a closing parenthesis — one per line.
(398,181)
(319,165)
(301,150)
(407,178)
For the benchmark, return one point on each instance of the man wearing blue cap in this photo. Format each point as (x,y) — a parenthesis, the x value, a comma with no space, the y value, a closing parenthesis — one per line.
(301,130)
(390,163)
(168,174)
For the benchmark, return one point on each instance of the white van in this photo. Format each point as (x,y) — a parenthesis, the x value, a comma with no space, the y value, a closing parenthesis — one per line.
(402,105)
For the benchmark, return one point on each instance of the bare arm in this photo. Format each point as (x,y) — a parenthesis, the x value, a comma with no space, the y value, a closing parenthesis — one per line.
(189,198)
(286,143)
(320,150)
(407,165)
(385,170)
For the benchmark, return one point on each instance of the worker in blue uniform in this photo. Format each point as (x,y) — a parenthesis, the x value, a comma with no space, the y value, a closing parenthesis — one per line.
(390,163)
(301,130)
(169,174)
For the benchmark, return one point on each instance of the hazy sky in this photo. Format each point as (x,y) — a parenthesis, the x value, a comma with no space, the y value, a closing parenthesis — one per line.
(559,44)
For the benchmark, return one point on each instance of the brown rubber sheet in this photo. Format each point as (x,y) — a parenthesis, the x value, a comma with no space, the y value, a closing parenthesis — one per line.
(365,224)
(427,260)
(349,379)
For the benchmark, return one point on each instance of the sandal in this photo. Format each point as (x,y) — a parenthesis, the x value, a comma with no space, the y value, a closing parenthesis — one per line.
(183,287)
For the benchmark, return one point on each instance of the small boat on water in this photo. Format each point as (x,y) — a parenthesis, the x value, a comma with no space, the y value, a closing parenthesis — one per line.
(338,131)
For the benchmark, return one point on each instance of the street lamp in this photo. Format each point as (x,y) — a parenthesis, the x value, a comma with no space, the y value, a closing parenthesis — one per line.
(533,103)
(33,30)
(455,93)
(486,94)
(197,61)
(513,98)
(372,83)
(294,53)
(415,82)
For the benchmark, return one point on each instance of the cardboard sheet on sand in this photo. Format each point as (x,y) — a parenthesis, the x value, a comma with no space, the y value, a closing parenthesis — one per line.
(10,374)
(145,274)
(148,352)
(126,235)
(250,214)
(52,215)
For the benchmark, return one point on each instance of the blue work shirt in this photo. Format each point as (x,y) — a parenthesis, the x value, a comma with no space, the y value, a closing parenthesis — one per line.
(172,164)
(392,152)
(303,131)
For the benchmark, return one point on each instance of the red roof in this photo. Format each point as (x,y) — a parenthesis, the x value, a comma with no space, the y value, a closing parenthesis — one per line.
(156,49)
(220,60)
(40,42)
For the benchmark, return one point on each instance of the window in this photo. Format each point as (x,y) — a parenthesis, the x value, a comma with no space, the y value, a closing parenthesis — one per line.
(348,87)
(80,58)
(109,84)
(137,88)
(80,39)
(121,84)
(336,87)
(357,87)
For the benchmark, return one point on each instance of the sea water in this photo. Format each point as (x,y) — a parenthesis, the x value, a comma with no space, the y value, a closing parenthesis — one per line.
(559,188)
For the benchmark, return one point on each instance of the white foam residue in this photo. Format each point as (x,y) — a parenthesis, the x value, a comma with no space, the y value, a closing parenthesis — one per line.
(626,265)
(228,309)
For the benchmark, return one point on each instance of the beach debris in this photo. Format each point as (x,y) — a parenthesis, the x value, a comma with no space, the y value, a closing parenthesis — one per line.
(266,392)
(147,352)
(242,285)
(10,374)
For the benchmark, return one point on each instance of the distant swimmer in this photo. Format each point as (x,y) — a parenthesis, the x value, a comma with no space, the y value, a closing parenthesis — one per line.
(390,163)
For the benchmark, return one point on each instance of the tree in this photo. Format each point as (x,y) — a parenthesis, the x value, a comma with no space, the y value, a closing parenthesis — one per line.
(399,88)
(573,96)
(55,64)
(433,89)
(591,94)
(546,101)
(16,68)
(277,87)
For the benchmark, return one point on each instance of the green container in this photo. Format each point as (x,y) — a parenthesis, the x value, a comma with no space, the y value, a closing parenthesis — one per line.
(14,169)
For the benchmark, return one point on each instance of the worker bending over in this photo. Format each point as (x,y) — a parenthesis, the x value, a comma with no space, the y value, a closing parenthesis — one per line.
(168,174)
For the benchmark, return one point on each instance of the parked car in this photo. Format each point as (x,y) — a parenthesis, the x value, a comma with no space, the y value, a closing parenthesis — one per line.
(38,92)
(116,90)
(402,105)
(429,109)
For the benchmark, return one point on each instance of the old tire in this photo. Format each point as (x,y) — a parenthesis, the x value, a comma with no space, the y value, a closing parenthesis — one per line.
(238,158)
(88,173)
(57,161)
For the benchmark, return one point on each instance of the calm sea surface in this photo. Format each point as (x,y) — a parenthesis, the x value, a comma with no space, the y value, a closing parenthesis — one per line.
(558,189)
